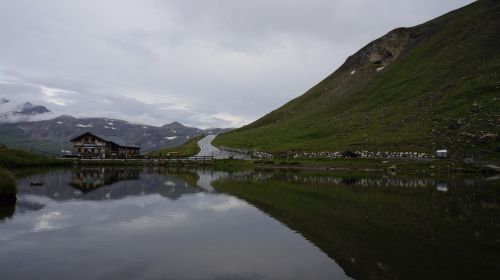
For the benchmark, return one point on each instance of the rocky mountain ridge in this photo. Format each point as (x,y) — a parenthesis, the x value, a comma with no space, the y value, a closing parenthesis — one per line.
(53,135)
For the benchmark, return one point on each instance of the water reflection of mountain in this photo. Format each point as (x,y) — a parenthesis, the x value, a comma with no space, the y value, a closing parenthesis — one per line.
(107,184)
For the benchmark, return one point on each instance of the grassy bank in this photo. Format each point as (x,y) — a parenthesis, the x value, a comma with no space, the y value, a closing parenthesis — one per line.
(400,166)
(12,158)
(190,148)
(7,184)
(392,165)
(431,166)
(383,231)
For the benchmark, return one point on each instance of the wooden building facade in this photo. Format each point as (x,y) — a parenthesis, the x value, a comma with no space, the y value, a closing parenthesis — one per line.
(103,145)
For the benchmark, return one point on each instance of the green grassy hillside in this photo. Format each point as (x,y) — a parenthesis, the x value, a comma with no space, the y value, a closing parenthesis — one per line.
(190,148)
(12,158)
(436,85)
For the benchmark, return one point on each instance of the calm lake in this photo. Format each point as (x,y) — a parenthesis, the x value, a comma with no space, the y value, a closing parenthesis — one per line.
(126,223)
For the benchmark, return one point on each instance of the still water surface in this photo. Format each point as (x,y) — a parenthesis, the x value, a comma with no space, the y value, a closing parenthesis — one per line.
(116,223)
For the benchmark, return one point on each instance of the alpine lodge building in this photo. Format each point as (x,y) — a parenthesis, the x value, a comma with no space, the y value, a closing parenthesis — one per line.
(103,145)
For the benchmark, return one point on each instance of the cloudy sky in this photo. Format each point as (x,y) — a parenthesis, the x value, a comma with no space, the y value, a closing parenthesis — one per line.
(203,63)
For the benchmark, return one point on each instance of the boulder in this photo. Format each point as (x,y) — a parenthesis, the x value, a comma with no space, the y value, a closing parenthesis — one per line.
(468,161)
(488,138)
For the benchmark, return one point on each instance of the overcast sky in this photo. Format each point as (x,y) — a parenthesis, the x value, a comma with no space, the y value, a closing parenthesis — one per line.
(203,63)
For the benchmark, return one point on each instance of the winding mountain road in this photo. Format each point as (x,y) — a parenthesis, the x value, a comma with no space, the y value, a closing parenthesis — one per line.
(207,149)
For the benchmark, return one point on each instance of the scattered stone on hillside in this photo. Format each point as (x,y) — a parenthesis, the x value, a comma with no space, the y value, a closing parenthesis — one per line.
(337,154)
(468,161)
(488,138)
(392,168)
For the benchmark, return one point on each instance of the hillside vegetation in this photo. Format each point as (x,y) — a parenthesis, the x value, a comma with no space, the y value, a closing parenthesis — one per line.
(418,89)
(190,148)
(7,185)
(12,158)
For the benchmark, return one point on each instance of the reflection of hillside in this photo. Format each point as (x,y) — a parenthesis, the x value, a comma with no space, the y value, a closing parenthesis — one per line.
(7,209)
(107,184)
(376,231)
(26,206)
(88,179)
(335,179)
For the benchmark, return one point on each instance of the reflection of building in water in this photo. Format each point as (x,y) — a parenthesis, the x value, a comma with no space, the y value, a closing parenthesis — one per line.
(89,179)
(108,184)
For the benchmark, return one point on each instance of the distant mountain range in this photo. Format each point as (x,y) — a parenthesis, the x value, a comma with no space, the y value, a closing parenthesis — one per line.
(432,86)
(53,135)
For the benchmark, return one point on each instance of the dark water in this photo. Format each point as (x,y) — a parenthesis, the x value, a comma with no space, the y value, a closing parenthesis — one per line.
(101,223)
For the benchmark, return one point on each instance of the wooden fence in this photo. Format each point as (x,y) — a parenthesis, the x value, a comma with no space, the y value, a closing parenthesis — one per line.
(150,158)
(146,161)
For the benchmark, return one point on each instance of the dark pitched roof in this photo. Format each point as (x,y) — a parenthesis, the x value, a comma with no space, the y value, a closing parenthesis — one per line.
(109,138)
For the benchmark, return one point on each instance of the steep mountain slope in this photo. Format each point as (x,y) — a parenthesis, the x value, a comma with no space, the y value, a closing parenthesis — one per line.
(54,135)
(432,86)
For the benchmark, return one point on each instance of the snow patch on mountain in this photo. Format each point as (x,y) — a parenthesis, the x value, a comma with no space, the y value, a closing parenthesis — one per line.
(84,125)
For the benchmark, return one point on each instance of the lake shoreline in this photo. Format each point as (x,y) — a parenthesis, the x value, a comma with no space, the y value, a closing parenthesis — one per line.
(433,166)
